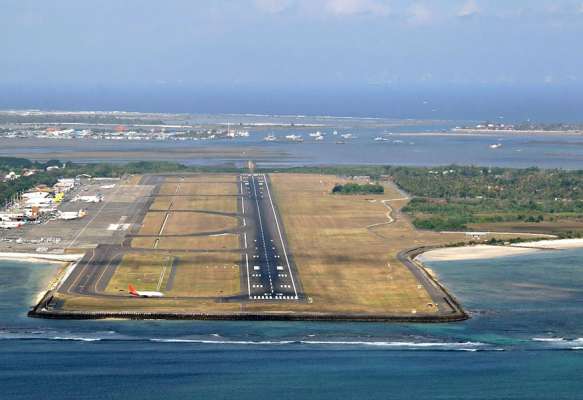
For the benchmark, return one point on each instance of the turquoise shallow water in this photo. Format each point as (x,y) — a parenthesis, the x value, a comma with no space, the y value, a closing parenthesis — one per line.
(524,340)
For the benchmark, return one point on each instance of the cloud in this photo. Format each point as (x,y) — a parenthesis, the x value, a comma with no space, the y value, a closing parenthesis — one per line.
(272,6)
(580,8)
(469,9)
(355,7)
(419,14)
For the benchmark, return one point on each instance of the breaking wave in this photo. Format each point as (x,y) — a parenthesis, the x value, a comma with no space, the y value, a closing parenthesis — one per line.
(76,338)
(458,346)
(560,343)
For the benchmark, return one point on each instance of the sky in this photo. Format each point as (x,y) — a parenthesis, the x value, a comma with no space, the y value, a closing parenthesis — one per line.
(268,44)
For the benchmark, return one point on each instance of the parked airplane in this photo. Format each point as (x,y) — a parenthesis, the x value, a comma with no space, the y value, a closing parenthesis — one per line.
(136,293)
(68,215)
(89,199)
(10,224)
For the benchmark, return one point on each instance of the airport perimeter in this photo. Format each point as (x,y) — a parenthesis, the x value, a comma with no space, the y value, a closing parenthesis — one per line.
(249,246)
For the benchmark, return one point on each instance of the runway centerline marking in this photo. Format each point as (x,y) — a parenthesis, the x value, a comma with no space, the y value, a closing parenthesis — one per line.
(262,235)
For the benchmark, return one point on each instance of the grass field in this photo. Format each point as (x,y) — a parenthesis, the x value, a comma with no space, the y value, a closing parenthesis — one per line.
(218,242)
(179,274)
(164,224)
(193,223)
(224,204)
(199,188)
(197,178)
(144,271)
(345,266)
(207,274)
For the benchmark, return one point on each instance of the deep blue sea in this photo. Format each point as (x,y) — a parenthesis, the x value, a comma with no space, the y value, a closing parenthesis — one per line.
(524,341)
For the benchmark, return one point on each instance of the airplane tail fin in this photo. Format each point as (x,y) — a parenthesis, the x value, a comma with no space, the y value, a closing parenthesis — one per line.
(132,290)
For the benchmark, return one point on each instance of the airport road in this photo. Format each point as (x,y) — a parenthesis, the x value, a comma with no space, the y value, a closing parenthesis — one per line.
(271,274)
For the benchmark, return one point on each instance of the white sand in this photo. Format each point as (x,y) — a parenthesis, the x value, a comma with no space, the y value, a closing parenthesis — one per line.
(553,244)
(486,251)
(36,257)
(472,253)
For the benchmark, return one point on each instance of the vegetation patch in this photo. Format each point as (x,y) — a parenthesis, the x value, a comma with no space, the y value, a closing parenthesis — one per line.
(355,188)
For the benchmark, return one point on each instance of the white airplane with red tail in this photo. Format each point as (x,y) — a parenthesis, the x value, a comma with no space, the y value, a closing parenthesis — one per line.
(10,224)
(137,293)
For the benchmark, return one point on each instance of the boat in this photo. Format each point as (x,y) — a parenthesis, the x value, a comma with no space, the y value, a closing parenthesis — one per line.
(270,138)
(294,138)
(496,146)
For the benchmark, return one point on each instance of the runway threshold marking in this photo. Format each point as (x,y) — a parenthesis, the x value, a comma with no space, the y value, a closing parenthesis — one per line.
(281,237)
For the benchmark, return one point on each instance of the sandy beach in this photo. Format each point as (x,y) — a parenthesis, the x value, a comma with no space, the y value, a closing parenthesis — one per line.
(41,257)
(559,244)
(487,251)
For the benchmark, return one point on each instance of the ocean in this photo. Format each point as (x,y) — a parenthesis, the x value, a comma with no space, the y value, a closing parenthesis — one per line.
(524,341)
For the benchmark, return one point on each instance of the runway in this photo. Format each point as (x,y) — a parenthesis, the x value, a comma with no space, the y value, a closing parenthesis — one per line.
(271,274)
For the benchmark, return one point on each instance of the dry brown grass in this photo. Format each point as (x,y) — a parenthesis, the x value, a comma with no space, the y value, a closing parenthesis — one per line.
(152,223)
(343,266)
(165,304)
(133,180)
(192,223)
(227,204)
(218,242)
(229,178)
(199,188)
(196,275)
(207,275)
(144,271)
(162,203)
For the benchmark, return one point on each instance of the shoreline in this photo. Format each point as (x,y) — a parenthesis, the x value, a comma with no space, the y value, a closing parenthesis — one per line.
(414,259)
(67,263)
(482,251)
(450,309)
(36,257)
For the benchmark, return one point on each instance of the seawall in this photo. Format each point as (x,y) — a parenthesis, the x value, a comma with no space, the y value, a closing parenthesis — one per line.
(450,309)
